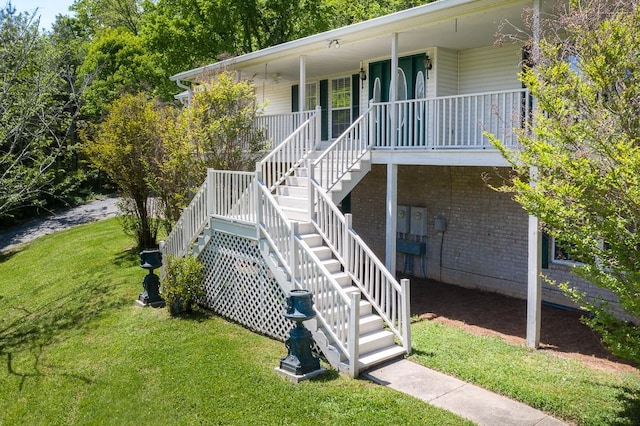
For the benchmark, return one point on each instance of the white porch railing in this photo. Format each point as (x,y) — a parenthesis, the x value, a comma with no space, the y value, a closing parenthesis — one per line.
(231,195)
(277,127)
(291,153)
(389,298)
(344,152)
(451,121)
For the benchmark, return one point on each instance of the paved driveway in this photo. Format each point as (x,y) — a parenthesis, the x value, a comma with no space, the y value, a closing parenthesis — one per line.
(90,212)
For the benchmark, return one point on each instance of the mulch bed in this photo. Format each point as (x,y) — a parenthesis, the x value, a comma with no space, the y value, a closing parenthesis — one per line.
(493,314)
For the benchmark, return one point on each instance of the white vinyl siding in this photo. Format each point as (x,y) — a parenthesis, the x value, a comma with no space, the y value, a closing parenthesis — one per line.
(490,68)
(446,73)
(278,97)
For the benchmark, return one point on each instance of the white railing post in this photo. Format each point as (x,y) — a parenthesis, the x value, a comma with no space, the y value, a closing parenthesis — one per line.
(346,247)
(311,190)
(354,335)
(210,191)
(293,261)
(258,195)
(318,125)
(406,314)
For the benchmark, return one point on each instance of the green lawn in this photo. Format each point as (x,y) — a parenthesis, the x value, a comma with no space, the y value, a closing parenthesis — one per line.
(77,350)
(567,389)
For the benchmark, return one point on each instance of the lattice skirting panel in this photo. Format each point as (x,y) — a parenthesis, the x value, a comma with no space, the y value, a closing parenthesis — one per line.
(240,286)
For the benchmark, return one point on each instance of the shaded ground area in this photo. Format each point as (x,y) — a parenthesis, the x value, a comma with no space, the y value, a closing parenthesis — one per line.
(85,213)
(493,314)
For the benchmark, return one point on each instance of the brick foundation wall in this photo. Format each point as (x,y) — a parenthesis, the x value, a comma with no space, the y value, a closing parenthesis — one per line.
(485,243)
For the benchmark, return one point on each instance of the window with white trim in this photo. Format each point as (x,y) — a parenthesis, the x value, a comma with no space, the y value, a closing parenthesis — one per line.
(310,96)
(340,105)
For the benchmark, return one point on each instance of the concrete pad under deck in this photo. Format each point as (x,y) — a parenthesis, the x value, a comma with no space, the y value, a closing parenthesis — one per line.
(466,400)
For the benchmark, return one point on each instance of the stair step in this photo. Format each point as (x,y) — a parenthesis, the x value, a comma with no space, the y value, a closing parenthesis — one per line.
(294,191)
(375,340)
(290,201)
(312,240)
(370,323)
(332,265)
(374,358)
(295,213)
(322,252)
(306,227)
(297,181)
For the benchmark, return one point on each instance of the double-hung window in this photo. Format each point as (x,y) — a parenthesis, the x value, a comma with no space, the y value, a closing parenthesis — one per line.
(310,96)
(340,105)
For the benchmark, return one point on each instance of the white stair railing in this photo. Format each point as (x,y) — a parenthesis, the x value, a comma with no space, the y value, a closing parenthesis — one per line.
(389,298)
(338,313)
(190,224)
(344,152)
(291,153)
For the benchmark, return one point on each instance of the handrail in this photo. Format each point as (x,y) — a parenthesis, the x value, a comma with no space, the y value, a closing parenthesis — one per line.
(282,161)
(344,152)
(369,274)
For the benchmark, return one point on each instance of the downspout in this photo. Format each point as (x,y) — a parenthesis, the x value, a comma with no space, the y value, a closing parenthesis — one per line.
(185,87)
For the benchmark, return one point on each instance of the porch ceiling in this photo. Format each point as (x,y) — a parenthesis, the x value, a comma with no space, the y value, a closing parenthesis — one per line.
(453,24)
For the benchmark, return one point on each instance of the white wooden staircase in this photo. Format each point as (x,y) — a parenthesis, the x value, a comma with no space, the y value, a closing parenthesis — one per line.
(362,311)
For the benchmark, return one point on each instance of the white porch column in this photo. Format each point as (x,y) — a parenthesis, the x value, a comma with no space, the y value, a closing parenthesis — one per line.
(534,287)
(534,282)
(391,210)
(303,82)
(393,96)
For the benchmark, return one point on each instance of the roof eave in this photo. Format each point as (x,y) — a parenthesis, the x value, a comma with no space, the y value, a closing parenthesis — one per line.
(381,24)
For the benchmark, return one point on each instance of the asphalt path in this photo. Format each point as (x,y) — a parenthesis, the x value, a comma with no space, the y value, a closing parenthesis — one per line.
(86,213)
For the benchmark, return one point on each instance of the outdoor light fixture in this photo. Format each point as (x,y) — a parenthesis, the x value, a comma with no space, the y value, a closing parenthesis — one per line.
(428,65)
(335,43)
(363,76)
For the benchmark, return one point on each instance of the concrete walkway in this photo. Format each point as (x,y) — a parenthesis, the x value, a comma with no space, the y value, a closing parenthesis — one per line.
(469,401)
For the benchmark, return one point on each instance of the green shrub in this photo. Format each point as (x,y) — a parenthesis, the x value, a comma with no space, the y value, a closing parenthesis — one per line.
(182,284)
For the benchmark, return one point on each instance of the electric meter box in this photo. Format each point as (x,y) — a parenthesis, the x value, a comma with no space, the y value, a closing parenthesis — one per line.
(402,219)
(418,222)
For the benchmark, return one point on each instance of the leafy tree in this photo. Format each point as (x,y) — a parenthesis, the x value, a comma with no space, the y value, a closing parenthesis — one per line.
(101,14)
(584,151)
(220,124)
(346,12)
(118,62)
(124,146)
(34,115)
(215,130)
(188,34)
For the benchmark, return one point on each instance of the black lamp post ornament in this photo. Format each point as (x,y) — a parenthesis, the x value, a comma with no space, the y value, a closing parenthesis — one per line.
(300,364)
(150,260)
